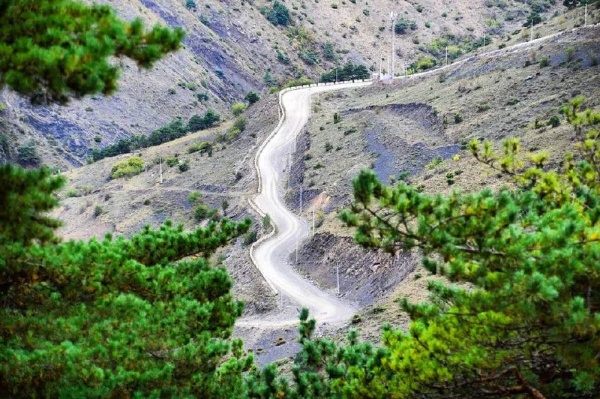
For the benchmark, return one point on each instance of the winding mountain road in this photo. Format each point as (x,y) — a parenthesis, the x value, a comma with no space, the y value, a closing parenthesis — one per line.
(271,255)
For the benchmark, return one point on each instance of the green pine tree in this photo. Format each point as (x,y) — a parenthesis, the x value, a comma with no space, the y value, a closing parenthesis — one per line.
(114,317)
(52,50)
(146,316)
(529,323)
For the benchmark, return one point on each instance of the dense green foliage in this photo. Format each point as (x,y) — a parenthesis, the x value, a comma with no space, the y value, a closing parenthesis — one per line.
(402,25)
(172,131)
(533,19)
(27,155)
(278,14)
(51,50)
(349,71)
(252,97)
(208,120)
(128,167)
(238,108)
(115,317)
(423,63)
(530,323)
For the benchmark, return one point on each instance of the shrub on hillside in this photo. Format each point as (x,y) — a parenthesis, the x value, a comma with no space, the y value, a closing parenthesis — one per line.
(184,166)
(128,167)
(203,147)
(28,156)
(252,97)
(240,123)
(238,108)
(278,14)
(208,120)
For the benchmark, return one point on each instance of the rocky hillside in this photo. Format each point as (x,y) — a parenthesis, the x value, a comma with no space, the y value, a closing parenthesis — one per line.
(232,47)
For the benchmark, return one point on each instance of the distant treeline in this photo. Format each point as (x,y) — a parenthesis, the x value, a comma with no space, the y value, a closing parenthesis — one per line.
(350,71)
(170,132)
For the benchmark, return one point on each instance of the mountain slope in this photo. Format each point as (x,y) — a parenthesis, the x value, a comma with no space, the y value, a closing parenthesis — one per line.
(229,49)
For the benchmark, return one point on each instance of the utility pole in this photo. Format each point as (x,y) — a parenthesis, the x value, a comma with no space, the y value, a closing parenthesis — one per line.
(160,168)
(289,170)
(392,61)
(337,276)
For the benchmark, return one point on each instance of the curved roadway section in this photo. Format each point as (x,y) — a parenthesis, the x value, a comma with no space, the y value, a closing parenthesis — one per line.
(271,255)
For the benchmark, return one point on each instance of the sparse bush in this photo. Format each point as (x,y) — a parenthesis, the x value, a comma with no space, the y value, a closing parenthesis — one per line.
(252,97)
(301,81)
(71,192)
(224,206)
(4,145)
(129,167)
(570,53)
(238,108)
(190,4)
(336,118)
(483,107)
(329,51)
(279,14)
(201,212)
(283,58)
(328,146)
(538,124)
(171,161)
(202,96)
(401,26)
(554,121)
(208,120)
(194,198)
(98,210)
(28,156)
(240,124)
(423,63)
(434,163)
(203,147)
(544,62)
(233,134)
(184,166)
(458,118)
(266,222)
(249,238)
